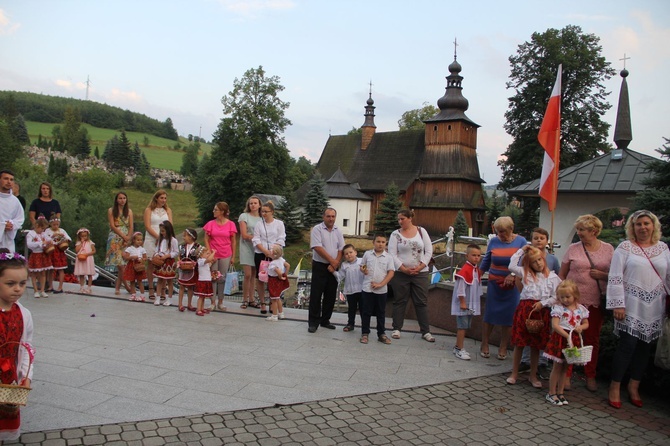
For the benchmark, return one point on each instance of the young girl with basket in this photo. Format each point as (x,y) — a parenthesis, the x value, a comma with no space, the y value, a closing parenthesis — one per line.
(84,266)
(39,262)
(16,334)
(61,241)
(166,251)
(568,320)
(188,271)
(277,282)
(530,326)
(135,270)
(203,288)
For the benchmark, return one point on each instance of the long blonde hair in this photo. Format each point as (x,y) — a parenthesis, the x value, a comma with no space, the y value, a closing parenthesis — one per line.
(153,204)
(531,254)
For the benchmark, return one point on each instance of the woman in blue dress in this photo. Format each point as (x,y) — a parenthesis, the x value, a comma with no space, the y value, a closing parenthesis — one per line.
(502,296)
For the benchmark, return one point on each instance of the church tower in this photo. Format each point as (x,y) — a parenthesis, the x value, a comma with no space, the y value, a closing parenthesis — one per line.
(450,179)
(368,128)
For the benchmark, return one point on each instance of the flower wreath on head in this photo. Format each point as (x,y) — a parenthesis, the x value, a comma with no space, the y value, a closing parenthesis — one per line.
(12,256)
(83,230)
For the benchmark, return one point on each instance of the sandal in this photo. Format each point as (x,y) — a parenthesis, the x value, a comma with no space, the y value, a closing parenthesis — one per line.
(181,308)
(553,399)
(364,339)
(348,328)
(243,306)
(190,308)
(562,399)
(429,337)
(253,304)
(484,354)
(502,357)
(199,313)
(384,339)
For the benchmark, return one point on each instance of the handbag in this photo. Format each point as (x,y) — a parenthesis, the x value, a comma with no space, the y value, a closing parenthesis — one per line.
(82,257)
(603,294)
(139,266)
(232,285)
(662,358)
(263,271)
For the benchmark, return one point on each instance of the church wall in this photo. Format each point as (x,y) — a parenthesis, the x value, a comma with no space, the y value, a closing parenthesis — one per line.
(356,212)
(454,132)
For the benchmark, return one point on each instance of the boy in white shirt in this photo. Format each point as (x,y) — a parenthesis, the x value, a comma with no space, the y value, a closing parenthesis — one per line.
(350,271)
(467,296)
(378,267)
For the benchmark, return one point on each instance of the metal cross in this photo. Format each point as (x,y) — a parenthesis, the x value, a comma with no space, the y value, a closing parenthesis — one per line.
(624,60)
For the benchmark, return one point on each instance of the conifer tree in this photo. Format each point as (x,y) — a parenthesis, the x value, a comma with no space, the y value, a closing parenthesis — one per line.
(460,225)
(290,215)
(316,201)
(386,220)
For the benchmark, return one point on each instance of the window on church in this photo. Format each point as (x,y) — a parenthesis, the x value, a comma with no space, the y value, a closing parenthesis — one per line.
(345,222)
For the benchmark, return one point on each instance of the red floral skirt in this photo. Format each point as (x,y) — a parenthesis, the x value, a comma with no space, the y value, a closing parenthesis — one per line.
(167,271)
(58,259)
(130,275)
(556,344)
(520,335)
(204,288)
(39,261)
(276,286)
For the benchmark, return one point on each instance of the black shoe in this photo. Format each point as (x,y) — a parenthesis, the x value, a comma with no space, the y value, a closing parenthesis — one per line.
(311,329)
(329,326)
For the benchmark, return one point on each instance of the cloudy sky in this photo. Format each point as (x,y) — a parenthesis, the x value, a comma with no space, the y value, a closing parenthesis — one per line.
(177,58)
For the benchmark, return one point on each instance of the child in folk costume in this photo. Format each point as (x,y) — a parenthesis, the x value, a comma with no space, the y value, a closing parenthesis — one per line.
(135,269)
(16,328)
(468,290)
(277,282)
(167,249)
(61,242)
(539,290)
(188,270)
(39,262)
(204,289)
(567,315)
(84,266)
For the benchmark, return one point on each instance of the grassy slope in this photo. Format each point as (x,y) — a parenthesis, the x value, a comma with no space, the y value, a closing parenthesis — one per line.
(160,152)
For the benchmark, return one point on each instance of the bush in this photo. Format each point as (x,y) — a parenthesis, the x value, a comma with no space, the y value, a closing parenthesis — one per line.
(144,183)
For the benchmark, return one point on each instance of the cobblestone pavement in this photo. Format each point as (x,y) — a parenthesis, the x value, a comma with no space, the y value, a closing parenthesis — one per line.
(474,411)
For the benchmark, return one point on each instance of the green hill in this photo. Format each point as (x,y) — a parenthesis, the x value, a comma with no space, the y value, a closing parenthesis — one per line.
(160,152)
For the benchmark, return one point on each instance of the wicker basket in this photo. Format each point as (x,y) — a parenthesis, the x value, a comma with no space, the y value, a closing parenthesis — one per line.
(157,261)
(534,326)
(49,249)
(187,265)
(577,356)
(12,393)
(82,257)
(64,245)
(139,266)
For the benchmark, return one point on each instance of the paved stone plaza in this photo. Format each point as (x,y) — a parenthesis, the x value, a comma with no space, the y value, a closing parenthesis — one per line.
(110,371)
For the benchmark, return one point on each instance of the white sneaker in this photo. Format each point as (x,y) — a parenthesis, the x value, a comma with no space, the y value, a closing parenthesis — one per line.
(44,294)
(395,334)
(281,316)
(167,302)
(460,353)
(272,318)
(157,301)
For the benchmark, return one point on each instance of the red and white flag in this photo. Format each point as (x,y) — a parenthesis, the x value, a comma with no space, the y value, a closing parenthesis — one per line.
(550,139)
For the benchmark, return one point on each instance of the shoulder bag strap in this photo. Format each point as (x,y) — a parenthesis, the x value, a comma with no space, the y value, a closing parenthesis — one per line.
(592,266)
(652,265)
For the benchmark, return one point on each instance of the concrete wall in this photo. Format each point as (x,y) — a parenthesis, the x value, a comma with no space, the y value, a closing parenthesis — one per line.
(357,212)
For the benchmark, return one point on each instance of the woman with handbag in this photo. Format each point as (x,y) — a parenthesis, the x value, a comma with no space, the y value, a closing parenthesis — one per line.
(220,235)
(268,232)
(637,290)
(120,218)
(587,263)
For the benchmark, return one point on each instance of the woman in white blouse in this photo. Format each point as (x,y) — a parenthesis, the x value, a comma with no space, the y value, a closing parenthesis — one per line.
(267,232)
(412,249)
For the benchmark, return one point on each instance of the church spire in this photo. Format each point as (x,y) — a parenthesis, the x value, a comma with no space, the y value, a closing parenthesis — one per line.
(368,128)
(623,133)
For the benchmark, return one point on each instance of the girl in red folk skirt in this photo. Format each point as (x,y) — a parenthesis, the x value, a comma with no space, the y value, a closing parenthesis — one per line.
(277,282)
(539,290)
(39,262)
(567,315)
(16,328)
(167,250)
(203,288)
(188,267)
(135,270)
(61,241)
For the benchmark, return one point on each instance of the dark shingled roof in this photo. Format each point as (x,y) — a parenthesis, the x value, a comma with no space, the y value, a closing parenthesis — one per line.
(601,175)
(390,157)
(339,187)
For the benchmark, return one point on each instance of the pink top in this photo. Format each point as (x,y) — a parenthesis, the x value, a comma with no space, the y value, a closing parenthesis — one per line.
(580,268)
(221,237)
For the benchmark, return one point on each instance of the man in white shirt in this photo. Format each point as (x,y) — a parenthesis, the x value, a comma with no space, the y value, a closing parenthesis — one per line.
(326,242)
(12,214)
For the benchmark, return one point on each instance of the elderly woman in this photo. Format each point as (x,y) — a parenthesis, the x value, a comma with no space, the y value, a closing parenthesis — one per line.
(587,263)
(502,296)
(412,249)
(220,234)
(155,213)
(638,286)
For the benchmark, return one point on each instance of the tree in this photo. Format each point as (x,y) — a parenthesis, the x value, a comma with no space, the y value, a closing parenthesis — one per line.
(460,225)
(249,153)
(355,131)
(533,73)
(10,149)
(290,215)
(657,197)
(83,147)
(189,161)
(70,130)
(494,206)
(169,131)
(386,219)
(301,170)
(19,130)
(413,119)
(316,201)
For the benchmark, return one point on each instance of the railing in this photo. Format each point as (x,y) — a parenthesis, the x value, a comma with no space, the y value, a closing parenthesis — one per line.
(450,251)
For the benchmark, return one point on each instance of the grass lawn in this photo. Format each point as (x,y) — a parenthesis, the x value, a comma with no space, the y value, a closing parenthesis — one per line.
(160,153)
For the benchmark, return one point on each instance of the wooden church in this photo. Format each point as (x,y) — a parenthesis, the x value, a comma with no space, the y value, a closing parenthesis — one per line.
(435,169)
